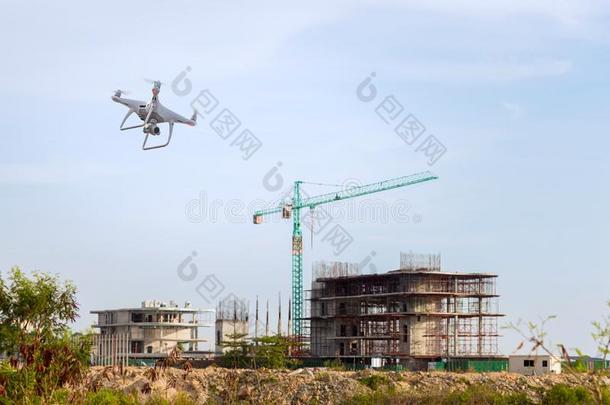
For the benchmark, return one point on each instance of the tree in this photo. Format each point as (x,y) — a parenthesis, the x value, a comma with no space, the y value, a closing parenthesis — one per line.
(236,354)
(34,317)
(34,310)
(266,351)
(274,351)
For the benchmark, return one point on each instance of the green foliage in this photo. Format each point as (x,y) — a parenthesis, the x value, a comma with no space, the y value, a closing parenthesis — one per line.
(323,376)
(562,394)
(157,400)
(267,351)
(273,352)
(481,394)
(601,335)
(45,357)
(183,399)
(60,397)
(236,353)
(374,381)
(385,396)
(106,396)
(473,395)
(396,376)
(34,309)
(334,364)
(605,396)
(580,365)
(270,380)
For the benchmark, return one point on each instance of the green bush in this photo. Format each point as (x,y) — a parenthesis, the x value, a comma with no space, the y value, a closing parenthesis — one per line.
(157,400)
(265,351)
(374,381)
(180,399)
(473,395)
(44,355)
(183,399)
(334,364)
(323,376)
(60,397)
(481,394)
(106,396)
(273,352)
(562,394)
(386,396)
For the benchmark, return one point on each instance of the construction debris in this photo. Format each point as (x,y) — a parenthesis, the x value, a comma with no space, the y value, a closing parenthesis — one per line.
(318,385)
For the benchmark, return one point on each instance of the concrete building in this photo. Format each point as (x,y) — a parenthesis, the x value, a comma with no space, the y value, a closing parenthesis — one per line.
(410,316)
(533,364)
(150,331)
(231,321)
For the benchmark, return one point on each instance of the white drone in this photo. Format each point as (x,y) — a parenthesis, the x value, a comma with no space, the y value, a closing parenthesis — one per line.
(152,114)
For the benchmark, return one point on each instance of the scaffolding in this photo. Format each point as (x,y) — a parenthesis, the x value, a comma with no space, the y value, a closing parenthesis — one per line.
(322,269)
(402,315)
(232,309)
(417,261)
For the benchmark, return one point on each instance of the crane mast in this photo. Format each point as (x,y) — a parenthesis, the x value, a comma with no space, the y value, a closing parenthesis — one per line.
(293,208)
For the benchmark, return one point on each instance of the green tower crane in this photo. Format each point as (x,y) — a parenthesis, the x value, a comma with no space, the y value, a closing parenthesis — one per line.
(293,208)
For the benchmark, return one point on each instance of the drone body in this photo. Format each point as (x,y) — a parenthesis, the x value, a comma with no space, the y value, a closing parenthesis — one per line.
(152,114)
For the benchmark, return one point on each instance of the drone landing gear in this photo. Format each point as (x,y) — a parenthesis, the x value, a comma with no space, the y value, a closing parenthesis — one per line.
(145,145)
(125,119)
(169,138)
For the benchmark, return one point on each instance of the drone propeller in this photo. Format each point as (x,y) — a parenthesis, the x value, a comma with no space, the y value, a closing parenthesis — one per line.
(156,83)
(118,92)
(156,88)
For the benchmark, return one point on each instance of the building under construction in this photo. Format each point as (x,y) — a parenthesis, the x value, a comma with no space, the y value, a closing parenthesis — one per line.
(412,316)
(231,323)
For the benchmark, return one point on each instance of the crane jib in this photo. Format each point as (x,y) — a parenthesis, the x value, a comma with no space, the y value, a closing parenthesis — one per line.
(312,202)
(293,209)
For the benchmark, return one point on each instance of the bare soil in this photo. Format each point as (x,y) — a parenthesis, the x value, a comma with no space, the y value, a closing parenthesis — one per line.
(306,386)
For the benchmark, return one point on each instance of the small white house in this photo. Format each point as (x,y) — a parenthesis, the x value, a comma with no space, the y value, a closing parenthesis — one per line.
(532,364)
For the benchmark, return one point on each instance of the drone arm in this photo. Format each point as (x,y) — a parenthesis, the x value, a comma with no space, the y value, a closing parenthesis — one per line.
(169,138)
(153,104)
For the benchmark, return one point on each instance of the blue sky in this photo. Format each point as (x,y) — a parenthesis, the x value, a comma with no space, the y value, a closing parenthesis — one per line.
(515,90)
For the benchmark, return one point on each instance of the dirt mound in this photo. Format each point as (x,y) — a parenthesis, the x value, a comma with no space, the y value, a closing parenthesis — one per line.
(305,386)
